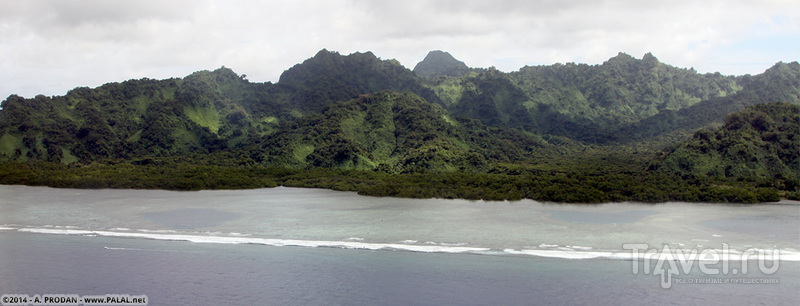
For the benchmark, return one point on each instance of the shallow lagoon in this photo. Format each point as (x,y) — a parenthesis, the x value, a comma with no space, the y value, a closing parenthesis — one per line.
(324,215)
(515,251)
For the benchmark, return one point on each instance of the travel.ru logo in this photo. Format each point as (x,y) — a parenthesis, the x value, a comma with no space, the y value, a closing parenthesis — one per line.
(669,263)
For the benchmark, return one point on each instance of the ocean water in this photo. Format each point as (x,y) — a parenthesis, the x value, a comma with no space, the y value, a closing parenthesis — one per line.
(305,246)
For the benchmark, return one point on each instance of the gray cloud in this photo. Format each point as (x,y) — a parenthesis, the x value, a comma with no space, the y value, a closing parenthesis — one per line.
(52,46)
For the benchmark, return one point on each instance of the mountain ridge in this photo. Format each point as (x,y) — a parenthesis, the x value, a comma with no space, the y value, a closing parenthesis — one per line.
(759,142)
(517,132)
(208,111)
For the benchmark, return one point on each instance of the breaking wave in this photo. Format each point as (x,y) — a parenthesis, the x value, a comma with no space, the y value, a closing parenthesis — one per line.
(544,250)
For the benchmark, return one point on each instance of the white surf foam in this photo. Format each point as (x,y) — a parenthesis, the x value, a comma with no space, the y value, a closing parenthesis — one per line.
(56,231)
(567,254)
(156,231)
(544,250)
(686,255)
(264,241)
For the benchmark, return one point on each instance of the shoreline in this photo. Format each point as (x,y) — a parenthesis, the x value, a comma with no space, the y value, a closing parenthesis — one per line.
(782,201)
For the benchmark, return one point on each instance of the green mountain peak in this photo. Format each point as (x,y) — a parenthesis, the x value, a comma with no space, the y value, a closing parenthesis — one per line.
(438,63)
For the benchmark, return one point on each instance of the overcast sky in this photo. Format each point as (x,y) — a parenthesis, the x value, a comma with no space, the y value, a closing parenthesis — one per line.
(49,47)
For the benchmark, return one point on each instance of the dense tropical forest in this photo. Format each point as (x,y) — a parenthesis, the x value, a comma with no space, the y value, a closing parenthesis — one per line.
(625,130)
